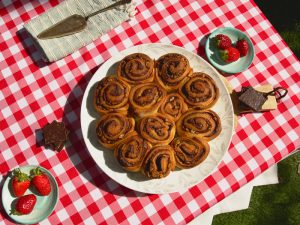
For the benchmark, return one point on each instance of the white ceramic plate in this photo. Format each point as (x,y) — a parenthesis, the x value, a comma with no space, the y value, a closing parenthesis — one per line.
(44,205)
(178,180)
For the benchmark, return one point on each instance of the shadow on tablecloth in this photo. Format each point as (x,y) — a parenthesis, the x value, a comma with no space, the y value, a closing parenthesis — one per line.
(76,149)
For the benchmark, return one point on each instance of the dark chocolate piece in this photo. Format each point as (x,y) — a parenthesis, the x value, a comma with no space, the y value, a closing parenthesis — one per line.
(55,135)
(252,99)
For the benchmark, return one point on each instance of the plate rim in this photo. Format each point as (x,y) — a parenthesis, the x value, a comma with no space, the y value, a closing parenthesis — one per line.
(5,184)
(83,107)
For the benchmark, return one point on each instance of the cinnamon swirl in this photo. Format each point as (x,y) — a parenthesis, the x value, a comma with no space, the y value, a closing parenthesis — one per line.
(173,105)
(200,90)
(158,129)
(131,152)
(111,95)
(145,99)
(171,69)
(113,128)
(204,124)
(159,162)
(136,68)
(189,152)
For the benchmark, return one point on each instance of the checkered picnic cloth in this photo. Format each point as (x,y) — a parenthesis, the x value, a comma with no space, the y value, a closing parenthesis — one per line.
(33,93)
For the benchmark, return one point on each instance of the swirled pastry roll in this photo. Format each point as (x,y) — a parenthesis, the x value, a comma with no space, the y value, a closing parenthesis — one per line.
(113,128)
(199,90)
(171,69)
(173,105)
(111,95)
(204,124)
(131,152)
(158,129)
(145,99)
(189,152)
(136,68)
(159,162)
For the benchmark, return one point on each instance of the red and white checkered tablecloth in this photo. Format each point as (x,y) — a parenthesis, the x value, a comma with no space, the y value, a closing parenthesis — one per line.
(33,93)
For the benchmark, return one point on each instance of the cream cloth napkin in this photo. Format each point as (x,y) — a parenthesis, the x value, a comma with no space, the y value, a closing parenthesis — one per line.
(97,25)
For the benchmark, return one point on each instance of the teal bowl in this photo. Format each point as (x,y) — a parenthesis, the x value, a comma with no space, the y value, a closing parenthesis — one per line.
(44,205)
(213,56)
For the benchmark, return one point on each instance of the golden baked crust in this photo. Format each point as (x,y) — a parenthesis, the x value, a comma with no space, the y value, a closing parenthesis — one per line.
(131,152)
(158,129)
(111,95)
(145,99)
(189,152)
(113,128)
(159,162)
(136,68)
(204,124)
(199,90)
(171,69)
(173,105)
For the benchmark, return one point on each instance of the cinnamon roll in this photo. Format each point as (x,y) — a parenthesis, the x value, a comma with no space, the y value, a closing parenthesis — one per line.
(113,128)
(171,69)
(159,162)
(158,129)
(173,105)
(131,152)
(189,152)
(111,95)
(200,90)
(204,124)
(145,99)
(136,68)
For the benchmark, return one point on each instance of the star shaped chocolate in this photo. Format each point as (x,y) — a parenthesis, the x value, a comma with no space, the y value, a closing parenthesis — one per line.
(55,135)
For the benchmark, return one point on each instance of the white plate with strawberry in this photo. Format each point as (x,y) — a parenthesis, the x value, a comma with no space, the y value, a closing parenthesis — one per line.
(229,50)
(29,194)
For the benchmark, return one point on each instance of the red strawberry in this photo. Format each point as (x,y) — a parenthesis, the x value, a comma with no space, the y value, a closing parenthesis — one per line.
(242,46)
(223,41)
(20,182)
(40,181)
(24,205)
(230,54)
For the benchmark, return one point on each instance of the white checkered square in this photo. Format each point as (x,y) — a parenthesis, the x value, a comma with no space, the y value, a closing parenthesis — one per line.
(23,145)
(150,209)
(251,31)
(177,216)
(240,147)
(142,35)
(284,74)
(146,14)
(252,164)
(238,174)
(280,119)
(205,18)
(6,72)
(218,12)
(273,59)
(22,103)
(192,26)
(47,110)
(296,65)
(6,35)
(14,49)
(22,64)
(134,220)
(30,119)
(179,33)
(235,83)
(32,161)
(160,6)
(264,24)
(62,214)
(266,154)
(254,138)
(59,169)
(241,18)
(30,79)
(279,144)
(90,221)
(127,42)
(7,154)
(286,52)
(295,88)
(272,80)
(193,206)
(53,85)
(166,199)
(253,12)
(6,112)
(106,212)
(96,194)
(260,67)
(208,195)
(79,204)
(243,122)
(275,38)
(14,87)
(69,186)
(169,20)
(182,12)
(292,135)
(230,5)
(123,202)
(155,27)
(267,128)
(223,184)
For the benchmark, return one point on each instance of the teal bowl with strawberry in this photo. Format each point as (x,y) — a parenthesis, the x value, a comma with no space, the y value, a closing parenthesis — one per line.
(29,194)
(229,50)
